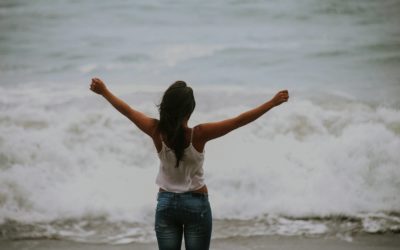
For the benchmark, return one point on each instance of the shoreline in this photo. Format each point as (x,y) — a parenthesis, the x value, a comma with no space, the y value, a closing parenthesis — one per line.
(358,242)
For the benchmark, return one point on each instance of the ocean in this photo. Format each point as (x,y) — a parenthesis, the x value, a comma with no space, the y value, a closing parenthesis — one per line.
(325,163)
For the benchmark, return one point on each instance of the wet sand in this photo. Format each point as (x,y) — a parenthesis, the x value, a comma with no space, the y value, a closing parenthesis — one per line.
(368,242)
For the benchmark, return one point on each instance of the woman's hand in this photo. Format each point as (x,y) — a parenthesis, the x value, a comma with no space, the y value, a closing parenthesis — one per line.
(280,97)
(98,86)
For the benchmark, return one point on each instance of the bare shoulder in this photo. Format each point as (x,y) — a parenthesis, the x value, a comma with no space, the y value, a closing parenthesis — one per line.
(198,132)
(156,136)
(198,140)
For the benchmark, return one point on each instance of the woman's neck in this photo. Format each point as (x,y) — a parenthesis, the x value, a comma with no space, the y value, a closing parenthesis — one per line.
(185,123)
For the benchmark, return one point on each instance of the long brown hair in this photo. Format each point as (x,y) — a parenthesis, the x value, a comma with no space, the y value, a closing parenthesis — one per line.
(177,104)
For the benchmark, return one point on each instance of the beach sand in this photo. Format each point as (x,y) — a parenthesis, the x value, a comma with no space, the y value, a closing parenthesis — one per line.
(366,241)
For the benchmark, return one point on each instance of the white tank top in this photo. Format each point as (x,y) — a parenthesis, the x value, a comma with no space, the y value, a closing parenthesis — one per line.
(185,178)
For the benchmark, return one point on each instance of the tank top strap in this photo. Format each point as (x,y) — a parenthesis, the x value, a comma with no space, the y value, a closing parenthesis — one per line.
(161,138)
(191,136)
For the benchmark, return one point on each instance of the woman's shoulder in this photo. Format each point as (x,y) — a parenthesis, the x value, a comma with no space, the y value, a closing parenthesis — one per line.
(197,140)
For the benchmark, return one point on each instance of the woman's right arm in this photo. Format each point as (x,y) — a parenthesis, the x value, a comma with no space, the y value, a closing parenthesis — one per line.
(208,131)
(143,122)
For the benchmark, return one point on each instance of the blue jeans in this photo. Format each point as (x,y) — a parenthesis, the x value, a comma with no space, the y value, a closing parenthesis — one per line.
(187,214)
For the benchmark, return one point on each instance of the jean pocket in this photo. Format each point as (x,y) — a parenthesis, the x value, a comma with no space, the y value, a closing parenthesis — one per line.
(163,204)
(197,205)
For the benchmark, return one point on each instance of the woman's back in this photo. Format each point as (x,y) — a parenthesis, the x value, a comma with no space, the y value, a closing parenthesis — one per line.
(187,176)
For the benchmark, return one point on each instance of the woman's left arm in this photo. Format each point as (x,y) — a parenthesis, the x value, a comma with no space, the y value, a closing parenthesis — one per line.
(143,122)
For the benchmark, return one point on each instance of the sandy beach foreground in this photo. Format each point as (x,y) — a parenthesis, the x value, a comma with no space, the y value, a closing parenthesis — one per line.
(369,242)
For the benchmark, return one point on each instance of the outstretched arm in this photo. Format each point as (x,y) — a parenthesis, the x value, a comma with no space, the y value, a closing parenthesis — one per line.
(209,131)
(143,122)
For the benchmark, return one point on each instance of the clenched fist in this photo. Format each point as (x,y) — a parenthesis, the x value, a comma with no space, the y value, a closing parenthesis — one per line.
(98,86)
(280,97)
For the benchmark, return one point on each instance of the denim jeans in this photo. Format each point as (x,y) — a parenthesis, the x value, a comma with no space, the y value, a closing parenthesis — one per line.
(185,214)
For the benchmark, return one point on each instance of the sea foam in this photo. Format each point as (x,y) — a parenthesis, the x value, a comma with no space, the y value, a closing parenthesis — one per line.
(69,156)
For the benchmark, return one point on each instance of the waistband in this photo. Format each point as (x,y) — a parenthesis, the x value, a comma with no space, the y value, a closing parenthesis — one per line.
(167,194)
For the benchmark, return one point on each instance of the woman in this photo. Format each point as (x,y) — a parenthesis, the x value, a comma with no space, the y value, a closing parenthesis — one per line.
(183,208)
